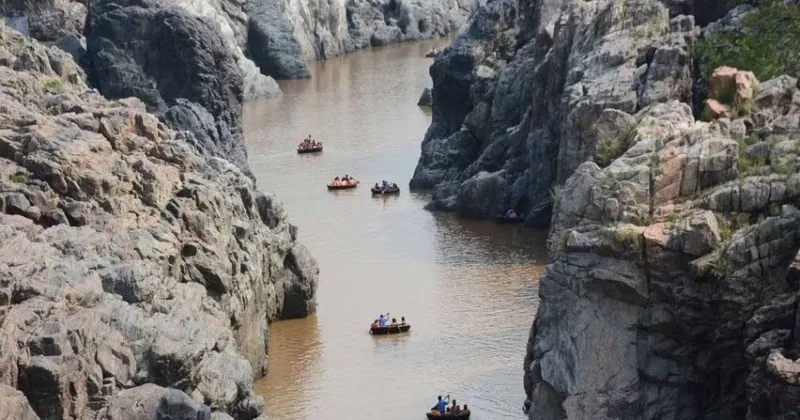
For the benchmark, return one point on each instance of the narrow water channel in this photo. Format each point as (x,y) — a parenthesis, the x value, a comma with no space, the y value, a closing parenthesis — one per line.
(469,289)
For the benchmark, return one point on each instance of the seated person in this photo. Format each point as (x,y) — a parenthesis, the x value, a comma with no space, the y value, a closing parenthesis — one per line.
(465,409)
(402,320)
(375,324)
(394,322)
(455,409)
(376,186)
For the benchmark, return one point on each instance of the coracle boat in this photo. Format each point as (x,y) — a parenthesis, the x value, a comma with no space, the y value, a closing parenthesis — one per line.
(505,220)
(380,191)
(389,329)
(432,54)
(302,150)
(449,416)
(342,187)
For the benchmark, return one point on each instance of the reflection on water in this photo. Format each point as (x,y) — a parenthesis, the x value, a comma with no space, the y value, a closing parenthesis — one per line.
(469,289)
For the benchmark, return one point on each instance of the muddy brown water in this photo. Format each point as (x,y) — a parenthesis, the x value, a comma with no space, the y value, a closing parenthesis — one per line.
(468,288)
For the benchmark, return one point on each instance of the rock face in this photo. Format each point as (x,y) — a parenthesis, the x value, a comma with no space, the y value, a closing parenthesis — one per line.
(267,38)
(125,59)
(46,20)
(672,286)
(426,99)
(135,268)
(521,88)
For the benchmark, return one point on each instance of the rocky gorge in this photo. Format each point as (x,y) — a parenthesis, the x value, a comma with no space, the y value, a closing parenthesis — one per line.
(139,270)
(269,39)
(670,191)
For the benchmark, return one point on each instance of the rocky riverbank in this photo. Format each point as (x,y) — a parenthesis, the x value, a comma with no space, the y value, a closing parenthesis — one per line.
(672,196)
(268,38)
(138,270)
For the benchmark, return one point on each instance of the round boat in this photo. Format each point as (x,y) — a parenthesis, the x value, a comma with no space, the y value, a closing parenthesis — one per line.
(380,191)
(389,329)
(505,220)
(431,54)
(309,150)
(342,187)
(449,416)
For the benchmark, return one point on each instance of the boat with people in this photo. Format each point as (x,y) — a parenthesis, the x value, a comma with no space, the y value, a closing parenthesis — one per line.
(509,217)
(344,183)
(382,326)
(447,409)
(432,53)
(385,188)
(308,145)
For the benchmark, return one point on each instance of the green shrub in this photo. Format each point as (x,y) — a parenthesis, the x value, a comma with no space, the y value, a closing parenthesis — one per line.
(555,191)
(53,86)
(775,209)
(766,43)
(748,164)
(608,150)
(627,236)
(18,178)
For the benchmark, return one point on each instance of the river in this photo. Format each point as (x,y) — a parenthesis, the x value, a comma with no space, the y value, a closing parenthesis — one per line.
(468,288)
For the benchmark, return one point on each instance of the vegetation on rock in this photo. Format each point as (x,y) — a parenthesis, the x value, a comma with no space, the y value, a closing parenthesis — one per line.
(765,43)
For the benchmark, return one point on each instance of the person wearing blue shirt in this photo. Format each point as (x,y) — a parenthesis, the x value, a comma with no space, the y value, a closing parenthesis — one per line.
(383,319)
(441,405)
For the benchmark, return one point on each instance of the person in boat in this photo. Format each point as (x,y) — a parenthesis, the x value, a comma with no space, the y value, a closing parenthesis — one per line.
(465,409)
(376,186)
(511,213)
(441,405)
(402,320)
(375,324)
(384,319)
(454,408)
(394,322)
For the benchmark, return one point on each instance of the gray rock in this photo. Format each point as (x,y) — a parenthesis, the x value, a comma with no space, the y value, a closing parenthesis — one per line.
(17,203)
(47,20)
(547,93)
(271,41)
(426,99)
(151,402)
(484,195)
(14,405)
(165,279)
(74,45)
(664,272)
(122,66)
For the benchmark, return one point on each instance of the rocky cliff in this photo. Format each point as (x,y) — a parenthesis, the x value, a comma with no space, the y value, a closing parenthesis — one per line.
(672,285)
(138,271)
(267,38)
(517,96)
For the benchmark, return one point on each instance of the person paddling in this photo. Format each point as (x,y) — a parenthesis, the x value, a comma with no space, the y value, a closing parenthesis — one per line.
(441,404)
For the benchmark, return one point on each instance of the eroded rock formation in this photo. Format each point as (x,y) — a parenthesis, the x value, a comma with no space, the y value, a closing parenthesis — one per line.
(518,93)
(672,289)
(138,272)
